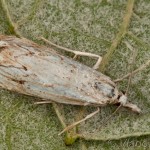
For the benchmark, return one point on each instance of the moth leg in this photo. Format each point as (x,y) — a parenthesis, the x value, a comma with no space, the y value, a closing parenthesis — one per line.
(77,53)
(56,108)
(43,102)
(80,121)
(99,58)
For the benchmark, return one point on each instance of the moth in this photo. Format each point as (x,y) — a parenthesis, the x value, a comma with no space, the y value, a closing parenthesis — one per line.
(31,69)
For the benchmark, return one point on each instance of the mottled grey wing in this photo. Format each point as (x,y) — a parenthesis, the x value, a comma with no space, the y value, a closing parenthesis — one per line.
(35,70)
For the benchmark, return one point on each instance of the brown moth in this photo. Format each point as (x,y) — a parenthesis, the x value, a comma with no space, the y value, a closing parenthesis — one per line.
(31,69)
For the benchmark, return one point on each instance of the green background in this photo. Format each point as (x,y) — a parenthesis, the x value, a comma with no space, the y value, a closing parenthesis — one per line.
(90,26)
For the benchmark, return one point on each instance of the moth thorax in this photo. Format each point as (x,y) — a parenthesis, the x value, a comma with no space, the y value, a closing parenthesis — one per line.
(123,100)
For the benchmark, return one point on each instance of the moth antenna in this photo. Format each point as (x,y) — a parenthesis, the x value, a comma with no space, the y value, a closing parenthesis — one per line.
(129,80)
(142,67)
(131,67)
(128,86)
(105,121)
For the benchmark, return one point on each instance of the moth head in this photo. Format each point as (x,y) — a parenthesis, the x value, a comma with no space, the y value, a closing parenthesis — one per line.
(122,99)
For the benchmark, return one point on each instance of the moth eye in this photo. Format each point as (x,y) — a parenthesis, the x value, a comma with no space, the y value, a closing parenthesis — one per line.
(118,96)
(113,92)
(123,92)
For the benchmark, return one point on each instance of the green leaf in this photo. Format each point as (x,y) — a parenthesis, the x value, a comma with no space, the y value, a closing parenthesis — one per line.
(89,26)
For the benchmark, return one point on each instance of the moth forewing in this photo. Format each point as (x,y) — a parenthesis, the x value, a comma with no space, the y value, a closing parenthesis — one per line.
(31,69)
